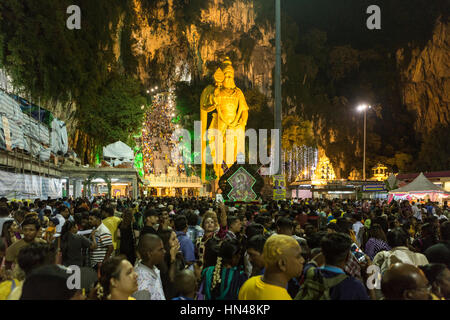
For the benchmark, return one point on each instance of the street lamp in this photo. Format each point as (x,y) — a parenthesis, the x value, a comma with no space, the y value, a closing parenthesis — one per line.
(364,107)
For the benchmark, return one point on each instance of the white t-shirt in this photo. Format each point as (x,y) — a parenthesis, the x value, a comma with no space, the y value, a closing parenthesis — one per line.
(149,280)
(417,213)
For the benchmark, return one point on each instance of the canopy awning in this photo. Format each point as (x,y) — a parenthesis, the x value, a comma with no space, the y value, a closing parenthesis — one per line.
(419,185)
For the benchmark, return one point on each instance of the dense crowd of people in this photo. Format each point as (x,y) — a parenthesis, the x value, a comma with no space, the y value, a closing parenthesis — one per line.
(158,145)
(200,249)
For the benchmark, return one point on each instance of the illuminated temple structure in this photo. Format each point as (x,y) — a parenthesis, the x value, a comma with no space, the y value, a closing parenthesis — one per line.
(323,183)
(164,173)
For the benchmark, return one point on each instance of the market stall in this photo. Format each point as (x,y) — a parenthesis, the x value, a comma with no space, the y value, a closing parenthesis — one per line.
(419,189)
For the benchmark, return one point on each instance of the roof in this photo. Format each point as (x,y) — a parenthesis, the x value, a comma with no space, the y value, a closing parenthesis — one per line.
(419,184)
(434,174)
(118,150)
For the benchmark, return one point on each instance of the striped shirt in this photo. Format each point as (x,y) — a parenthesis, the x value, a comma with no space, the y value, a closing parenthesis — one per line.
(374,245)
(104,240)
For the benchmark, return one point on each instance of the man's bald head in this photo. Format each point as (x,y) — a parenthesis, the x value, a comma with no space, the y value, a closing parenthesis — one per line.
(404,282)
(148,242)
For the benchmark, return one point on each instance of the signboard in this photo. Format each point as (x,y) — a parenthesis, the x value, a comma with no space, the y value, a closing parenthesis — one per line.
(374,188)
(242,186)
(279,187)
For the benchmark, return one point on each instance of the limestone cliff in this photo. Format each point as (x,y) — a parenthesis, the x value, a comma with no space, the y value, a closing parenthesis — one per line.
(168,50)
(426,80)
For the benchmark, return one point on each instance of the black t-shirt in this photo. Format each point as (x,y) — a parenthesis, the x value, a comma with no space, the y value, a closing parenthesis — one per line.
(147,229)
(72,249)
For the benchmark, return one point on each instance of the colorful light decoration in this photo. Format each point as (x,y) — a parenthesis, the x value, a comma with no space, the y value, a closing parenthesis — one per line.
(324,172)
(299,163)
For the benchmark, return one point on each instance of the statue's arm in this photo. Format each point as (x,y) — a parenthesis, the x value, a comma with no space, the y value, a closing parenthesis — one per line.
(242,114)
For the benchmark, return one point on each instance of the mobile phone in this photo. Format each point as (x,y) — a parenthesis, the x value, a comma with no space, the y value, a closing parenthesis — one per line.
(356,251)
(219,198)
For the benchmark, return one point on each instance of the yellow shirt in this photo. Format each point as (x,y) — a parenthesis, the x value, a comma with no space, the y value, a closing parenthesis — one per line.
(6,288)
(112,223)
(256,289)
(17,292)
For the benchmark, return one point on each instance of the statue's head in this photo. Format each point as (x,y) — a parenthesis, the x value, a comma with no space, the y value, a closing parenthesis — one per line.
(229,74)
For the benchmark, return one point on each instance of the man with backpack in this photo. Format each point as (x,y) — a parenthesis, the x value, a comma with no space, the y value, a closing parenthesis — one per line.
(324,276)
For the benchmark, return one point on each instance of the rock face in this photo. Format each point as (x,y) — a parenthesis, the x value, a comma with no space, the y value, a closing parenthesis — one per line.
(426,80)
(169,51)
(168,48)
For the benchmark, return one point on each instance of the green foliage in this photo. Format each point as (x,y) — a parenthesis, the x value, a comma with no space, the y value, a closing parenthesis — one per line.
(435,152)
(48,61)
(343,60)
(114,112)
(188,102)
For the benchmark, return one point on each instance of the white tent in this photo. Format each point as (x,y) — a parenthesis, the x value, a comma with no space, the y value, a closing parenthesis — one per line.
(118,152)
(420,187)
(419,184)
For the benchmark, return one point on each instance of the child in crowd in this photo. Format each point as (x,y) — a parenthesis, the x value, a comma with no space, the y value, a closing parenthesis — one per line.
(185,285)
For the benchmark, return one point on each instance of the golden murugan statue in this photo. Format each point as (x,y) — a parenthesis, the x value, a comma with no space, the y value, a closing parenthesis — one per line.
(231,115)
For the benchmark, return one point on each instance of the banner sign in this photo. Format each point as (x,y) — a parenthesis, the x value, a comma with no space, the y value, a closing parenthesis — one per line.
(242,186)
(374,188)
(279,187)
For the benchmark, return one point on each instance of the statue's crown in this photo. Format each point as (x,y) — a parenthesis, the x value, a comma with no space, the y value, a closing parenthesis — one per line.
(227,64)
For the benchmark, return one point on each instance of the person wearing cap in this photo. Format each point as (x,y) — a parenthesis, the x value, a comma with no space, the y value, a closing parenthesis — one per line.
(151,217)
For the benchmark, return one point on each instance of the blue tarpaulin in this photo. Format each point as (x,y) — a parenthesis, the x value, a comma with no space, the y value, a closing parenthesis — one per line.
(33,110)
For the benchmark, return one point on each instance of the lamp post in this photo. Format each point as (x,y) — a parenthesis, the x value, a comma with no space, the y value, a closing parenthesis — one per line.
(278,106)
(364,108)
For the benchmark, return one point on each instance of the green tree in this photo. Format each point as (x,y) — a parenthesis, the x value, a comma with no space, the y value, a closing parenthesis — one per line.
(435,151)
(115,111)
